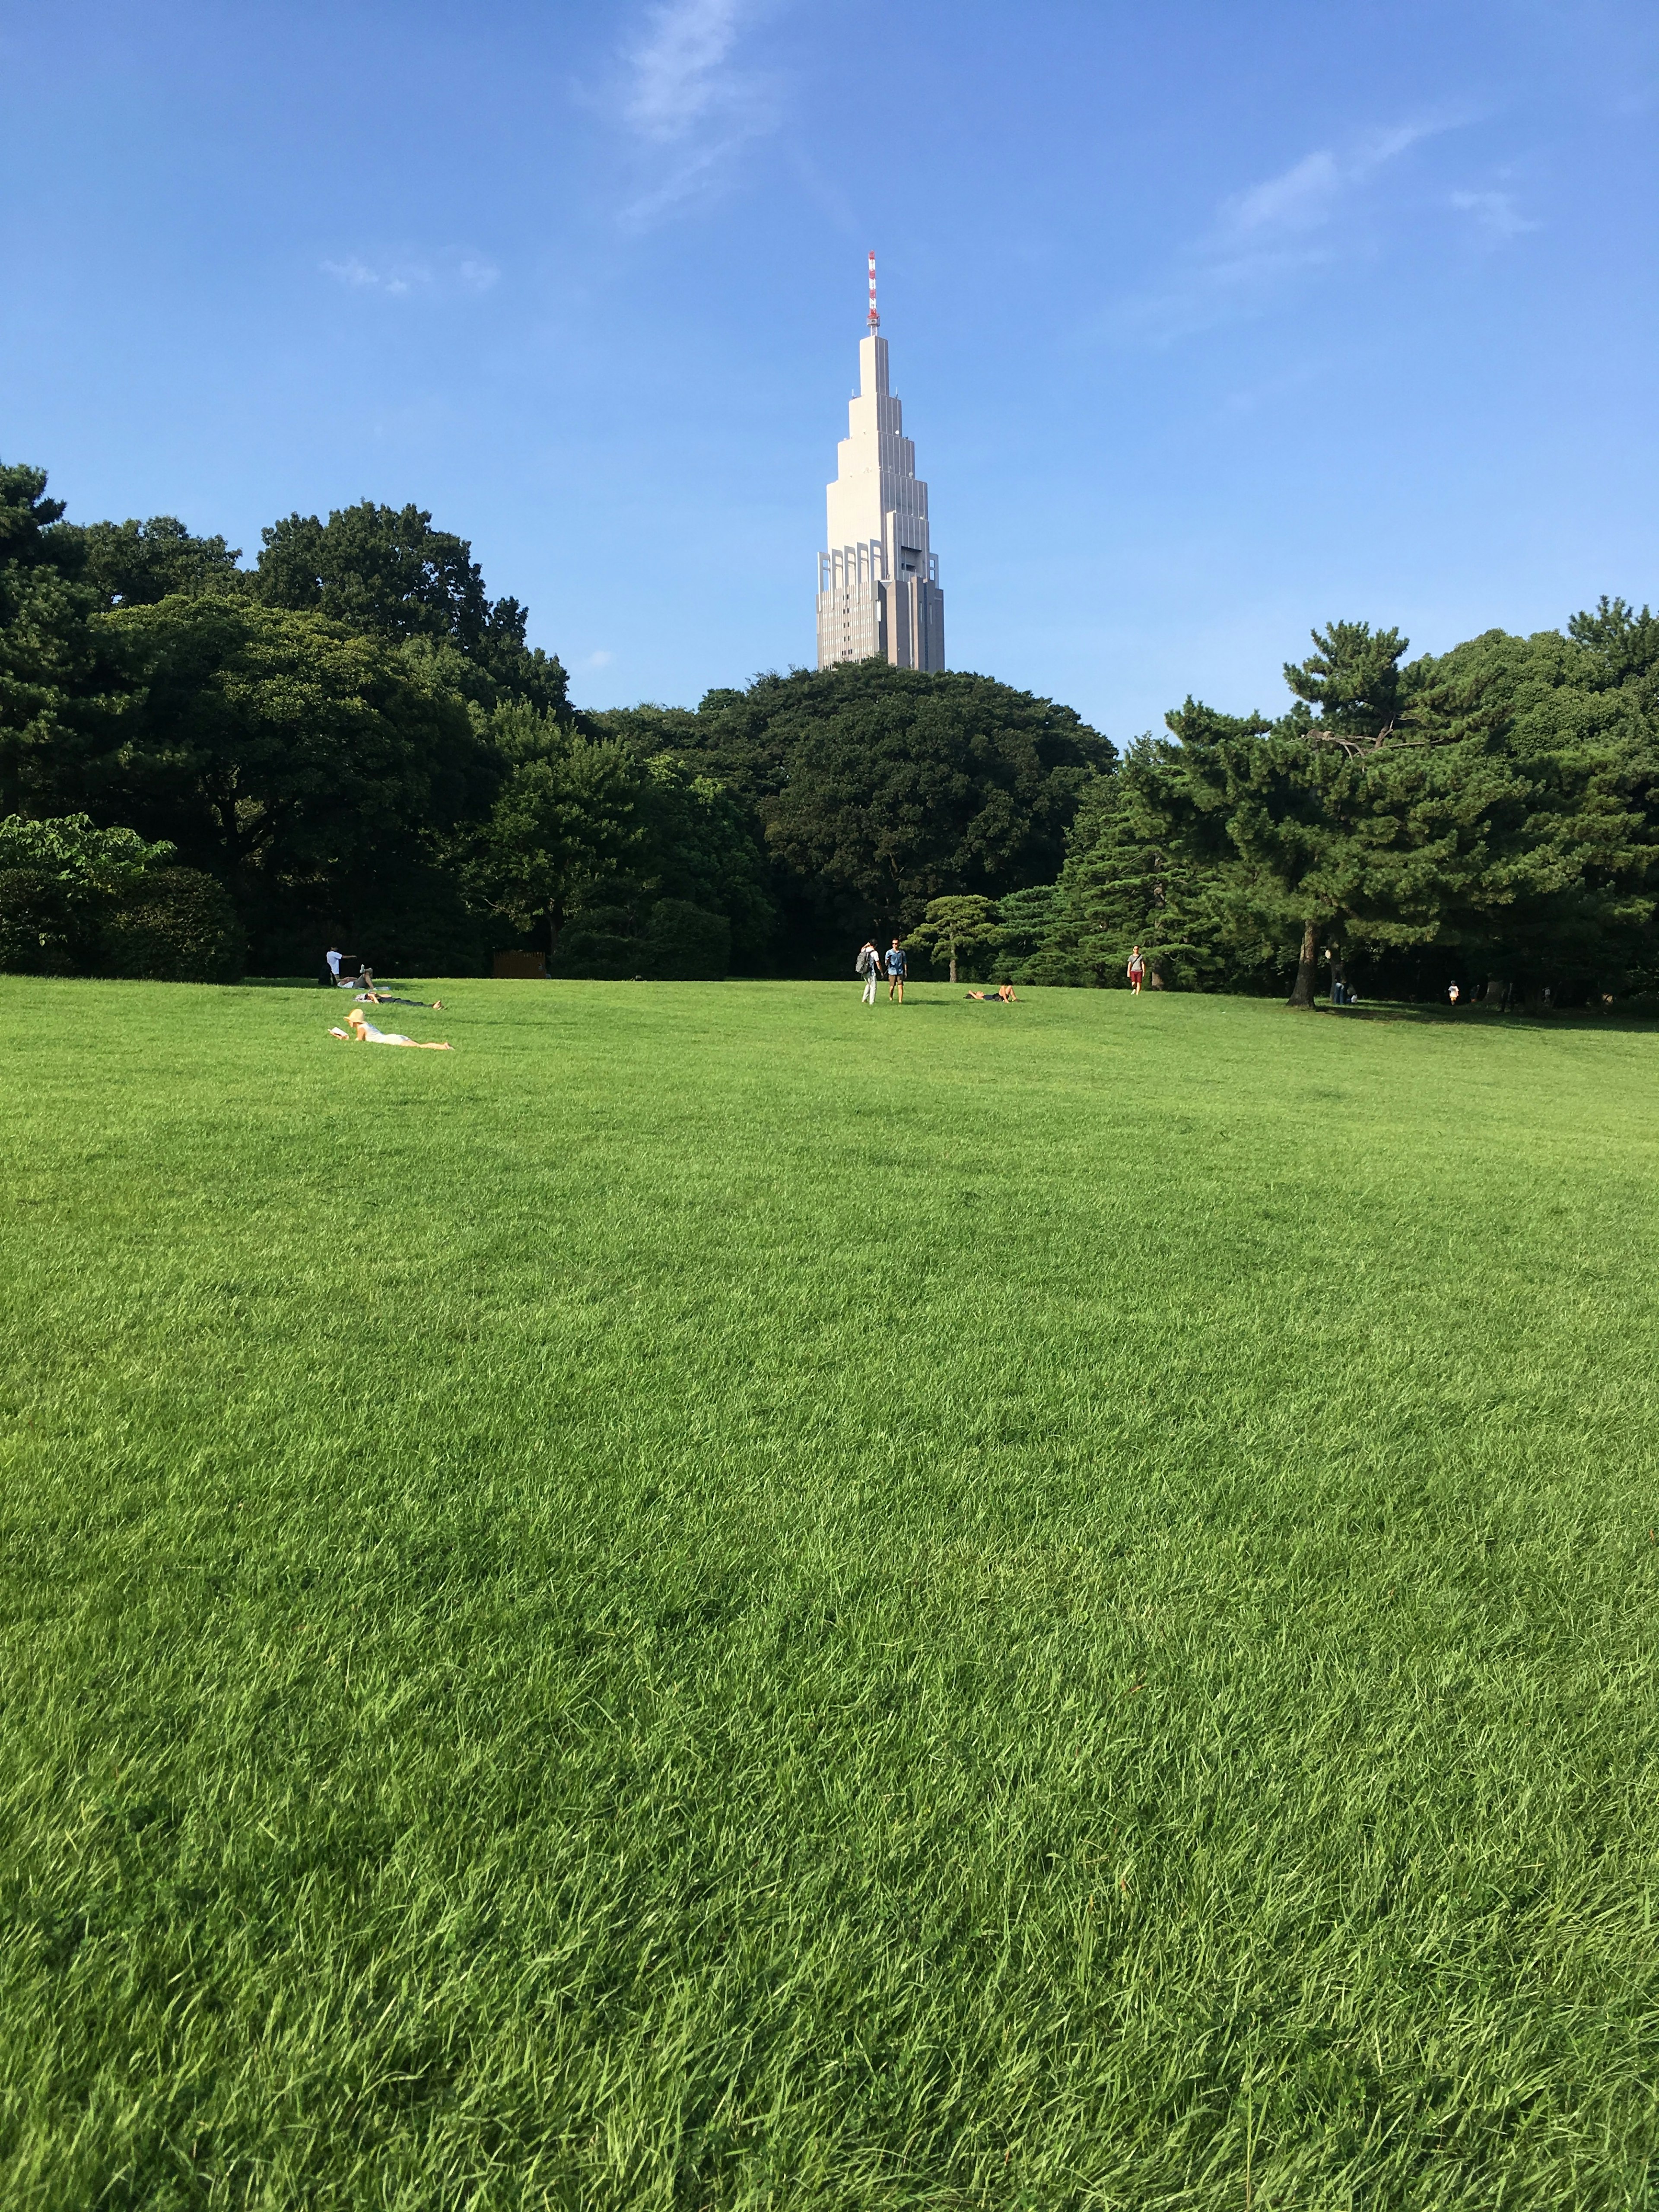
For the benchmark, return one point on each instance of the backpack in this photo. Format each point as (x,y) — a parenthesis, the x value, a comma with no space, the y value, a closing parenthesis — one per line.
(865,962)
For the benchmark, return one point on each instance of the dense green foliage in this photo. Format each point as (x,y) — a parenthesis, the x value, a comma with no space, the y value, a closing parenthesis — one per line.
(282,750)
(135,564)
(962,924)
(78,899)
(388,571)
(1494,812)
(355,740)
(58,681)
(725,1598)
(878,789)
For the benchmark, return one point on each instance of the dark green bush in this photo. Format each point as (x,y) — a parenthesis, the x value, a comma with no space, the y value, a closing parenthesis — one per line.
(601,943)
(47,926)
(172,925)
(681,941)
(669,940)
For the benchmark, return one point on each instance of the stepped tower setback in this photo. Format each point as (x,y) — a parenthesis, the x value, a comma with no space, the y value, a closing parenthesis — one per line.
(878,588)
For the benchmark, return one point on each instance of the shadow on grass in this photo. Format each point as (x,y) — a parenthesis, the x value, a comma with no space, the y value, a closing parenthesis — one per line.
(323,990)
(1578,1019)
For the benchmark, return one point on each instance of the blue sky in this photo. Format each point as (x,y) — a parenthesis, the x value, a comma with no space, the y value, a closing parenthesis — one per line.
(1210,321)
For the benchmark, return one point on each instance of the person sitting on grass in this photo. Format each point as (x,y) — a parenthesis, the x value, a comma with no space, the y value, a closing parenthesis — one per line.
(363,1032)
(1003,995)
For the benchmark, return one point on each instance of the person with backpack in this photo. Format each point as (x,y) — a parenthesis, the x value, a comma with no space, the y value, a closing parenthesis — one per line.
(868,965)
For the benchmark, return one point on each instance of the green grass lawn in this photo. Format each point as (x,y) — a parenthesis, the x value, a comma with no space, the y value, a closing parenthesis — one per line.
(726,1599)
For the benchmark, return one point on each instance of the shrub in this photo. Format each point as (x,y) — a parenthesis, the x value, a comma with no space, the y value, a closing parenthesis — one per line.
(47,923)
(601,943)
(681,941)
(671,940)
(172,925)
(78,899)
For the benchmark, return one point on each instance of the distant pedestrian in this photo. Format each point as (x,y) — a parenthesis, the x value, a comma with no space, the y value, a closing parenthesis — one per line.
(868,965)
(1452,993)
(897,968)
(1136,971)
(334,957)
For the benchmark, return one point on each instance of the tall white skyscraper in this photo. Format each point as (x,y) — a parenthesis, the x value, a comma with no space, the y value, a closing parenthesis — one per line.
(878,592)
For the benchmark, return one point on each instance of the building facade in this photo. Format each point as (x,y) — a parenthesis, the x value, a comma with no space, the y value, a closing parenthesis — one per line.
(878,588)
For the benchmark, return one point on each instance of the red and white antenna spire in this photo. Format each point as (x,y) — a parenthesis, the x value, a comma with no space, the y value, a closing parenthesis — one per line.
(875,320)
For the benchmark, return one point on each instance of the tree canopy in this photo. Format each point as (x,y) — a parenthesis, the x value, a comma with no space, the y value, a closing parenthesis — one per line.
(134,564)
(387,570)
(878,789)
(1495,805)
(965,922)
(74,849)
(60,681)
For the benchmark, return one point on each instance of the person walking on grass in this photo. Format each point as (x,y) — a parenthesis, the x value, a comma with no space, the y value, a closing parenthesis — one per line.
(897,968)
(868,965)
(1135,971)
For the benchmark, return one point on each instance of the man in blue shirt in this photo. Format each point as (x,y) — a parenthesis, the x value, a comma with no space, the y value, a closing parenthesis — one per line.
(895,971)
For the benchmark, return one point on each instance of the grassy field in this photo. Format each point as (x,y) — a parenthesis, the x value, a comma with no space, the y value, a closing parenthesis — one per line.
(729,1600)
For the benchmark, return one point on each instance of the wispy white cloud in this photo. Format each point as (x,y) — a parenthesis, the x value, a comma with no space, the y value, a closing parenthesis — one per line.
(1270,232)
(399,276)
(1299,199)
(1310,194)
(356,274)
(359,275)
(1494,214)
(686,103)
(678,69)
(598,659)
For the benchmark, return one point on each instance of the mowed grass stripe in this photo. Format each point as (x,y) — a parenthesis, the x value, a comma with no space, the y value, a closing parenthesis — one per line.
(731,1598)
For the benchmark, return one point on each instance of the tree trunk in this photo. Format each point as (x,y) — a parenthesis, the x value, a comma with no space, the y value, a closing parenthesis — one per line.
(1302,993)
(953,960)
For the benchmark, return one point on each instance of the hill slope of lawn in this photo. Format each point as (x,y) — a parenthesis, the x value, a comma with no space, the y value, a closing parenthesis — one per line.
(725,1599)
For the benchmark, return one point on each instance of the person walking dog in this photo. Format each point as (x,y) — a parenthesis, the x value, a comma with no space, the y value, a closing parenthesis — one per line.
(897,968)
(868,965)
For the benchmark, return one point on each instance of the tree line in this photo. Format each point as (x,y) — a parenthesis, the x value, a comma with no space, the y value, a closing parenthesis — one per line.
(352,740)
(205,764)
(1489,815)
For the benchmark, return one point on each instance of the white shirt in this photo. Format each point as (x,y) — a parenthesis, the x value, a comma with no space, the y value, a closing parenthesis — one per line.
(334,964)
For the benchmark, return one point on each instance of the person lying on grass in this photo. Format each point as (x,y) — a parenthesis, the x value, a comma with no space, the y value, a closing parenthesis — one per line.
(1002,996)
(379,998)
(363,1032)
